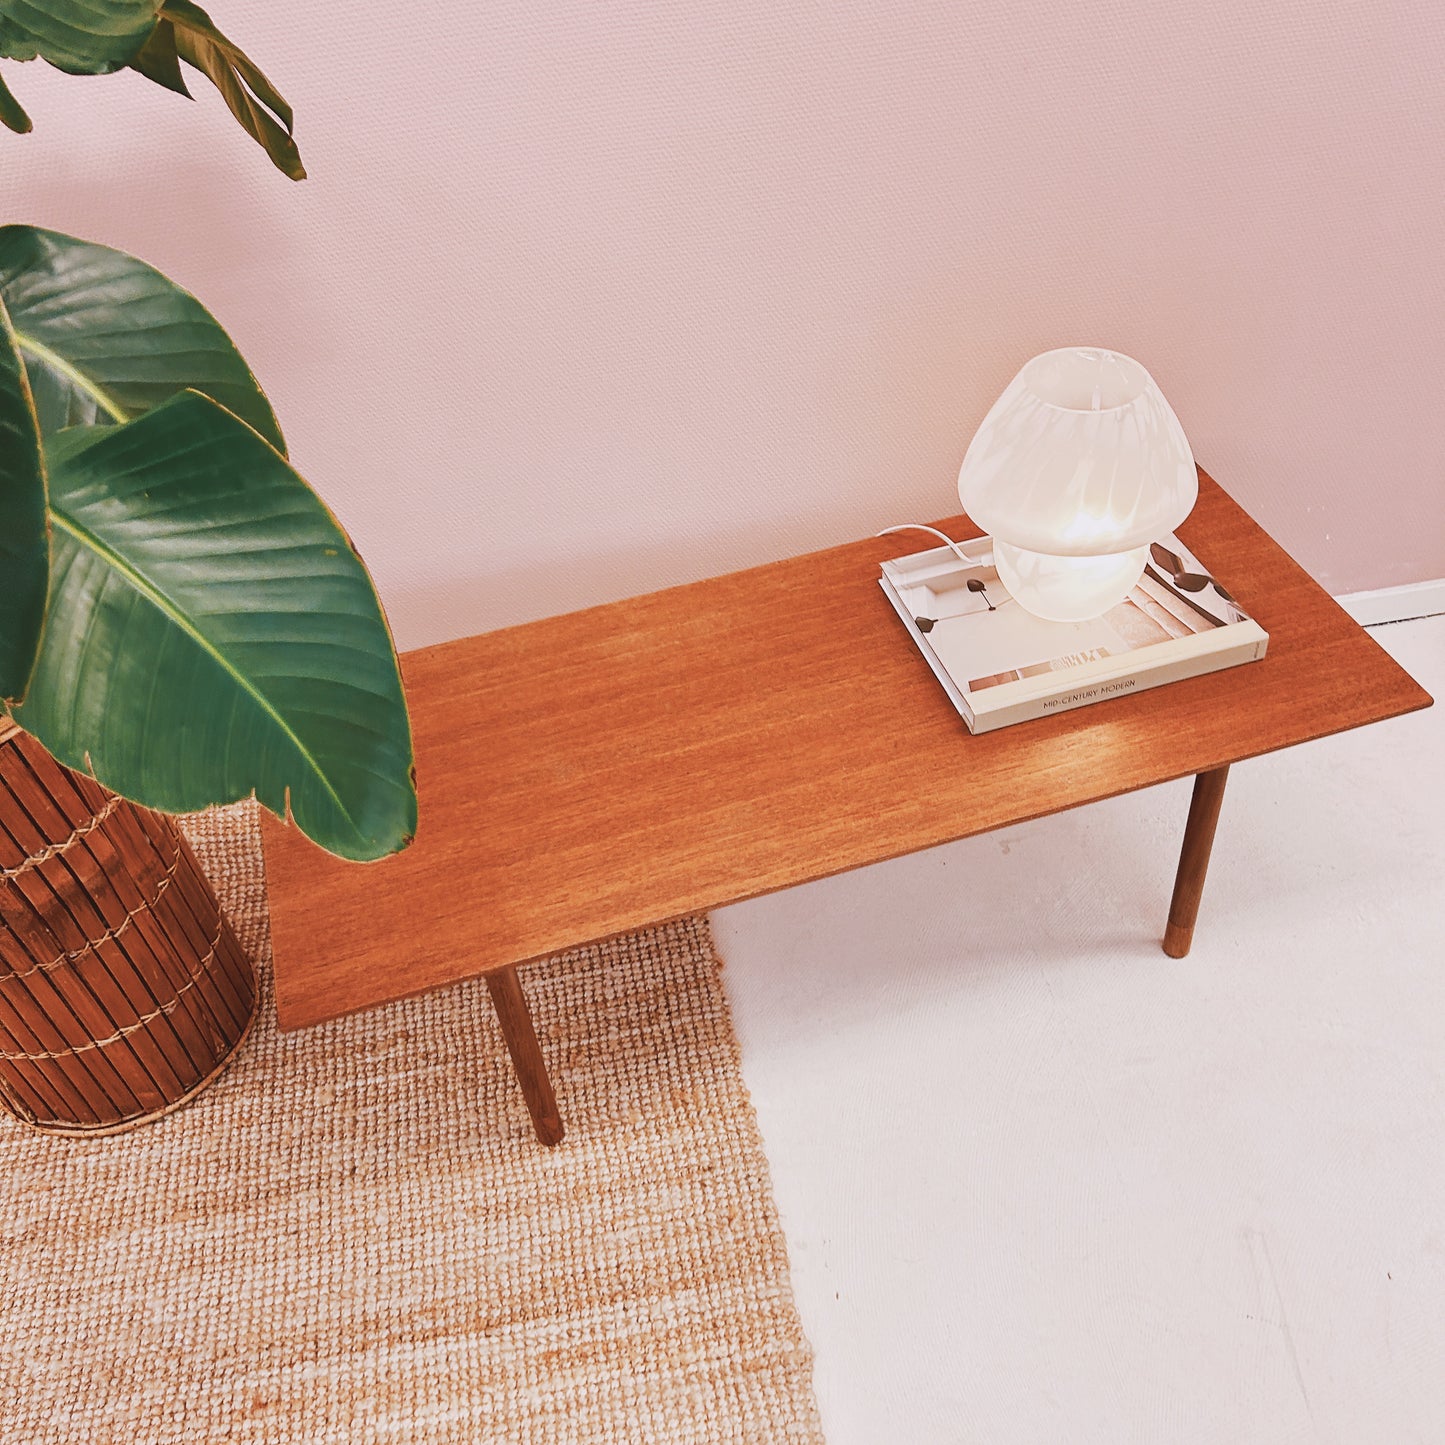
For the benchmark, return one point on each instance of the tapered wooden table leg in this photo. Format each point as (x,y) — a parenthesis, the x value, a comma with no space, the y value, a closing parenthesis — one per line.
(516,1020)
(1194,860)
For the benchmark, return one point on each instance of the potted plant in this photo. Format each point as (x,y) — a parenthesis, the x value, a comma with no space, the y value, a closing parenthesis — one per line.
(182,623)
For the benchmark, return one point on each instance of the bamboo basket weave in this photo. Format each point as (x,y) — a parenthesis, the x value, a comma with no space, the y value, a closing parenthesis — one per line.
(123,990)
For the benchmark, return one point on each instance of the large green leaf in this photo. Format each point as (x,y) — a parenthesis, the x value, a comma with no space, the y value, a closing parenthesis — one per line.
(24,550)
(158,60)
(85,37)
(252,99)
(211,631)
(95,37)
(106,337)
(12,113)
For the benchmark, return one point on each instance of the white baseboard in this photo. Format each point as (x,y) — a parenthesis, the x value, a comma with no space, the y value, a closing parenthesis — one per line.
(1395,604)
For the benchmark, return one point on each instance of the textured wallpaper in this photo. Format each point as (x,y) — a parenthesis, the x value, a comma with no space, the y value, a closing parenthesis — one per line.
(582,299)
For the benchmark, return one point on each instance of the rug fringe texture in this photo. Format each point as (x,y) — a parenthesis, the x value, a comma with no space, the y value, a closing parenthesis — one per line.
(353,1236)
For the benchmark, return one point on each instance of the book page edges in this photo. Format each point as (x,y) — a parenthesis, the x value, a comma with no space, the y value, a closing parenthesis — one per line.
(956,694)
(1237,640)
(1191,664)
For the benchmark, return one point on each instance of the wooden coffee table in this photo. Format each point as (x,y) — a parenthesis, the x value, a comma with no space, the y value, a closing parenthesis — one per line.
(591,774)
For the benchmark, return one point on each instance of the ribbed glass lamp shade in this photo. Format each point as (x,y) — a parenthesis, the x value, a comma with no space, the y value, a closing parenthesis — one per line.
(1077,468)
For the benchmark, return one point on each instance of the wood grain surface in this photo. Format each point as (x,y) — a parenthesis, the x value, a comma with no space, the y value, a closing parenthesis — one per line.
(590,774)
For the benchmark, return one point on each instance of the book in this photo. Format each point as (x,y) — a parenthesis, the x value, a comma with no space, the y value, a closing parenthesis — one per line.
(1001,665)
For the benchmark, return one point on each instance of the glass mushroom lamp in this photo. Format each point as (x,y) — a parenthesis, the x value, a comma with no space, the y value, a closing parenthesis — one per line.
(1076,469)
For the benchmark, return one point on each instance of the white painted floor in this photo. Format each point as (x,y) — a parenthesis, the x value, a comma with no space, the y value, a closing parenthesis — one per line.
(1043,1184)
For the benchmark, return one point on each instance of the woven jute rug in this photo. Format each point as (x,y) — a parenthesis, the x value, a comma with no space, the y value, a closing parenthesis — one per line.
(354,1237)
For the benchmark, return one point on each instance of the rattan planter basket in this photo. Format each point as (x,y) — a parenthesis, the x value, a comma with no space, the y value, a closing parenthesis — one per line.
(123,990)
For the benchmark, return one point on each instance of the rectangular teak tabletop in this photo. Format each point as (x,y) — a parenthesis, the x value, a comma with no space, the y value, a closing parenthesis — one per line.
(591,774)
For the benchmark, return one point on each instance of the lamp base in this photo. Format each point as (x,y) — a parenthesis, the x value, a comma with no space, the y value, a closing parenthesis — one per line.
(1068,589)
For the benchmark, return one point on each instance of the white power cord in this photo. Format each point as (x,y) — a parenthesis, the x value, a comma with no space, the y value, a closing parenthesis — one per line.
(932,531)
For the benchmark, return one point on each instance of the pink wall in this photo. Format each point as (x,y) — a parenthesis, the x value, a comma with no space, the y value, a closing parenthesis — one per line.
(582,298)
